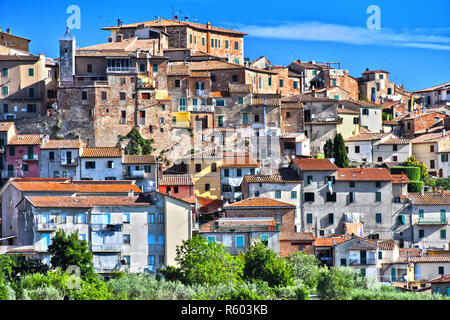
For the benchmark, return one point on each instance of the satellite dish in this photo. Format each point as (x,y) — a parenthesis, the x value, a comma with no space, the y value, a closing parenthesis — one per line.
(293,157)
(332,160)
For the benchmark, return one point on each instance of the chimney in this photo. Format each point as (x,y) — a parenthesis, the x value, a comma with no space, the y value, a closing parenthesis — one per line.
(208,25)
(110,39)
(443,132)
(8,31)
(71,179)
(186,19)
(119,38)
(367,69)
(119,23)
(0,29)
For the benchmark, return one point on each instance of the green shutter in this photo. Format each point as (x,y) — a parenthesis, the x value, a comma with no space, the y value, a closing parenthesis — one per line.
(393,275)
(421,233)
(155,68)
(378,217)
(309,218)
(31,72)
(444,234)
(12,151)
(380,255)
(421,214)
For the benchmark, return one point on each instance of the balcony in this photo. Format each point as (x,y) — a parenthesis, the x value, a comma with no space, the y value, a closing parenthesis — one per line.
(12,174)
(30,157)
(362,262)
(69,162)
(240,228)
(201,108)
(181,124)
(121,70)
(432,221)
(135,174)
(107,247)
(107,227)
(48,226)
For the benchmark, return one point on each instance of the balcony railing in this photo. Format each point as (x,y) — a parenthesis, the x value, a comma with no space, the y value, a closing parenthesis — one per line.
(237,228)
(12,174)
(107,247)
(108,227)
(48,226)
(181,124)
(31,157)
(69,162)
(201,108)
(362,262)
(432,221)
(122,69)
(135,174)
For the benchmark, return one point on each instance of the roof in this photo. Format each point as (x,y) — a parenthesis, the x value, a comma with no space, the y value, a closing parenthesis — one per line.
(367,137)
(26,139)
(172,23)
(375,71)
(364,104)
(307,65)
(237,162)
(62,144)
(430,137)
(315,164)
(102,152)
(64,185)
(207,205)
(297,236)
(5,126)
(222,65)
(346,111)
(363,174)
(328,242)
(259,202)
(284,175)
(439,86)
(239,88)
(138,159)
(395,141)
(430,259)
(400,178)
(119,47)
(306,98)
(176,180)
(442,279)
(85,202)
(387,245)
(429,198)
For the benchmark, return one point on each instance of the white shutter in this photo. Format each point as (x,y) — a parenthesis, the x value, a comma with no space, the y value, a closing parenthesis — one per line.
(63,156)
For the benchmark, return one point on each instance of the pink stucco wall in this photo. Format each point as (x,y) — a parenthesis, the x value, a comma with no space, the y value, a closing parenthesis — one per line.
(17,160)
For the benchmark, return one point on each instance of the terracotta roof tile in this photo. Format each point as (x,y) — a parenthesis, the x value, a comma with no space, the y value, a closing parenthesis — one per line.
(387,245)
(431,137)
(346,111)
(395,141)
(26,139)
(367,137)
(259,202)
(430,259)
(430,198)
(102,152)
(4,126)
(284,175)
(328,242)
(442,279)
(315,164)
(297,236)
(231,162)
(176,180)
(400,178)
(75,186)
(85,202)
(363,174)
(138,159)
(62,144)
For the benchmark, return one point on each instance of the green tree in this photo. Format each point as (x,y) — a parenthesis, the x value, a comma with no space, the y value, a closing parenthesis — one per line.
(69,250)
(264,264)
(137,144)
(305,267)
(413,162)
(340,152)
(6,268)
(335,283)
(207,263)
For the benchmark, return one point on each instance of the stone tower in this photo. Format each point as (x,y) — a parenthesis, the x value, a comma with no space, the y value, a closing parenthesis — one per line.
(67,57)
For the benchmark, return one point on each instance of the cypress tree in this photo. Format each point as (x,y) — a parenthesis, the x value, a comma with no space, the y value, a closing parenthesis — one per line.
(340,153)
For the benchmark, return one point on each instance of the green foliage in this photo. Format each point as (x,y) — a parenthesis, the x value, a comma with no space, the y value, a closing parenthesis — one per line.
(6,268)
(305,267)
(443,183)
(413,173)
(137,144)
(413,162)
(391,293)
(415,186)
(328,149)
(30,265)
(340,152)
(207,263)
(264,264)
(68,250)
(335,283)
(296,292)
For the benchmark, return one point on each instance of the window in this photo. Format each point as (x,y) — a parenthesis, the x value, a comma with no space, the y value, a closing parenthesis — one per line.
(220,102)
(151,260)
(239,241)
(331,197)
(213,78)
(241,100)
(104,95)
(365,111)
(355,120)
(12,151)
(90,165)
(351,197)
(190,38)
(177,83)
(31,72)
(207,187)
(269,81)
(444,157)
(151,218)
(295,84)
(5,108)
(431,164)
(441,270)
(123,96)
(31,108)
(126,238)
(309,197)
(51,155)
(256,193)
(31,92)
(380,255)
(160,239)
(235,77)
(126,218)
(281,83)
(5,72)
(356,149)
(175,189)
(421,233)
(150,239)
(343,262)
(239,172)
(155,68)
(443,234)
(309,218)
(80,218)
(378,184)
(245,118)
(82,236)
(293,194)
(378,218)
(55,174)
(226,172)
(380,159)
(203,41)
(309,179)
(220,121)
(110,164)
(352,184)
(236,45)
(378,196)
(277,194)
(314,72)
(226,44)
(331,218)
(5,90)
(431,148)
(198,167)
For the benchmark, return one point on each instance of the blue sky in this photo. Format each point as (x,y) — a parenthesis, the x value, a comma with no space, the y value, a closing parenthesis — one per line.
(413,43)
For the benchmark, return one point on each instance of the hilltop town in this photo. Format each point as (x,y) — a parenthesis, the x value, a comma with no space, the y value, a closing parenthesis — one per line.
(167,130)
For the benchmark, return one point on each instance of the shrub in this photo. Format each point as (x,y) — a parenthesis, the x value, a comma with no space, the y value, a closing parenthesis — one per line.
(305,267)
(335,283)
(415,186)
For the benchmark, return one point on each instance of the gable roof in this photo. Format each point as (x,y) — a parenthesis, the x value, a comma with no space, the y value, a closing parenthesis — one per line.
(26,139)
(429,198)
(400,178)
(62,144)
(258,203)
(102,152)
(367,137)
(315,164)
(176,180)
(85,202)
(64,185)
(363,174)
(138,159)
(5,126)
(284,175)
(430,137)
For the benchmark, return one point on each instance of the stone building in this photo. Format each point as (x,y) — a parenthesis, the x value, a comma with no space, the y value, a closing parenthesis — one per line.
(60,159)
(212,40)
(374,86)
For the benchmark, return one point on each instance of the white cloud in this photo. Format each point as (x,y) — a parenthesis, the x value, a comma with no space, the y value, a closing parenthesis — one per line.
(319,31)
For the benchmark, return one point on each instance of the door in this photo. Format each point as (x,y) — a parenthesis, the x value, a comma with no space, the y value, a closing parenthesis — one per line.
(363,256)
